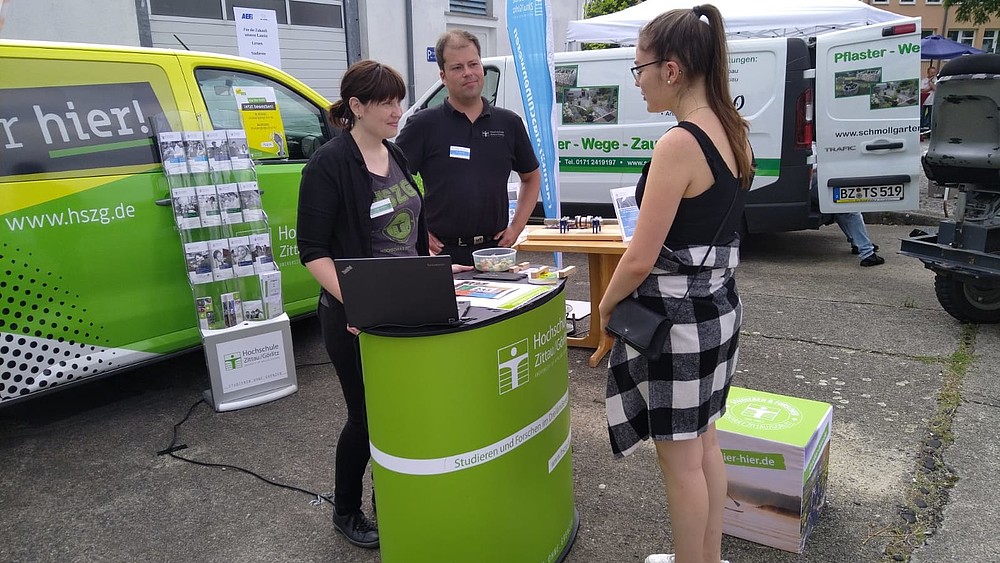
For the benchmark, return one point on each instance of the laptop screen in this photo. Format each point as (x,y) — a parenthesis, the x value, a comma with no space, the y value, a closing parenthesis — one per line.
(406,291)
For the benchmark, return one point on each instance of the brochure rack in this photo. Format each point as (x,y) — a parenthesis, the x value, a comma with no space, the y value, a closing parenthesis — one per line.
(230,266)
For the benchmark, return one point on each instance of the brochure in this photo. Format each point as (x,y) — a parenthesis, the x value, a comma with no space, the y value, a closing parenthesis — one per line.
(239,151)
(172,153)
(206,316)
(265,134)
(185,201)
(194,148)
(481,290)
(270,292)
(208,206)
(498,295)
(199,264)
(232,308)
(263,259)
(242,254)
(626,210)
(253,310)
(218,151)
(229,204)
(250,202)
(222,259)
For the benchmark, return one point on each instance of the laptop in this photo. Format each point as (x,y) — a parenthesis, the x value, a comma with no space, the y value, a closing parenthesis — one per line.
(405,291)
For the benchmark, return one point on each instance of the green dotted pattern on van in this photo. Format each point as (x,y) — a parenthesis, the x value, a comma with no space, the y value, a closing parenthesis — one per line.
(88,284)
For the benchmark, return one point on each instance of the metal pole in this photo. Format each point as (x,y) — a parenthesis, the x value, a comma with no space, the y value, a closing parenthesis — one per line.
(352,29)
(410,68)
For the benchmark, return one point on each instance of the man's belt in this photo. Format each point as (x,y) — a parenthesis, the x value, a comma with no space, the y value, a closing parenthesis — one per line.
(467,241)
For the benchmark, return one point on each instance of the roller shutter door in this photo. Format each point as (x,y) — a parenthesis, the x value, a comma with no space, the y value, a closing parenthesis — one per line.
(313,54)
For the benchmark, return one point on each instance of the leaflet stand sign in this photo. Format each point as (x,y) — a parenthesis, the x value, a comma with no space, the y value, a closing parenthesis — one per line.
(250,364)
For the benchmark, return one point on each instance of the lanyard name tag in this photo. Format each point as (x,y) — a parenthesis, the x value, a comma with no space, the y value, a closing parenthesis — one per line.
(381,207)
(460,152)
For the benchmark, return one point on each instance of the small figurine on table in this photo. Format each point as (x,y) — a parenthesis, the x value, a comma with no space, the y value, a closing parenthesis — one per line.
(595,225)
(564,225)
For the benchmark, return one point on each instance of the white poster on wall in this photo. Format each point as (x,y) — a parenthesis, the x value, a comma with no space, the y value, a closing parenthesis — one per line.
(257,35)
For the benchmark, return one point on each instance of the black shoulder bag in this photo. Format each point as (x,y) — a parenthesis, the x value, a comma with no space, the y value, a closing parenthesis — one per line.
(644,329)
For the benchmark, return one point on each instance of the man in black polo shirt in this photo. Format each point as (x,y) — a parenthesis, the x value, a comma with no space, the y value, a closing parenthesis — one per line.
(464,150)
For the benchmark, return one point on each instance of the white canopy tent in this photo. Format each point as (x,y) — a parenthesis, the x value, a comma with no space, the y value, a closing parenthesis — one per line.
(743,18)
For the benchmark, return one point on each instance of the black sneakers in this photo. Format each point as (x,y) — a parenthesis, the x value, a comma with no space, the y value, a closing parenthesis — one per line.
(357,528)
(873,260)
(855,251)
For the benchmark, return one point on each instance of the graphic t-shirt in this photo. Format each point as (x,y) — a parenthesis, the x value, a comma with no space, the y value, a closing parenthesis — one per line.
(394,214)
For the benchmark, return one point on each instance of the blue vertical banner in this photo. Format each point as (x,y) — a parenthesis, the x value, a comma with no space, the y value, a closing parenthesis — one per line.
(530,30)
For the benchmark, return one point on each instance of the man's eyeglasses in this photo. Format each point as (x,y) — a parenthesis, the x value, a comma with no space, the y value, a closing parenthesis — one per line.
(637,70)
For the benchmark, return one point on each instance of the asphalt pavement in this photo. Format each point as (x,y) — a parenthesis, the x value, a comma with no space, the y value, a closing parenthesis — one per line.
(912,464)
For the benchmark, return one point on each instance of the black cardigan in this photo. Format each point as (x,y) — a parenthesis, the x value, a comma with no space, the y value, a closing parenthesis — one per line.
(335,199)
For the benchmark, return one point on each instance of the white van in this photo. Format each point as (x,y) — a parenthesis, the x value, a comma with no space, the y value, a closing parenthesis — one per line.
(858,89)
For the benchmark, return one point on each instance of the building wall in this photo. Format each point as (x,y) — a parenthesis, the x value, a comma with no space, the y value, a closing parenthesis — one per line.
(60,20)
(382,28)
(383,32)
(932,18)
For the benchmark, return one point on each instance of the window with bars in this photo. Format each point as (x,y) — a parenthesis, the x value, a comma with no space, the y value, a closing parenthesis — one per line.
(967,36)
(990,40)
(474,7)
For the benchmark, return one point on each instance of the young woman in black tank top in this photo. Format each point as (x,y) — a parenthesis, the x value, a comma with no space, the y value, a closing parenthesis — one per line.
(698,171)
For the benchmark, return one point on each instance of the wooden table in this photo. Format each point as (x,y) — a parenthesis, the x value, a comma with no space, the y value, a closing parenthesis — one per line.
(602,259)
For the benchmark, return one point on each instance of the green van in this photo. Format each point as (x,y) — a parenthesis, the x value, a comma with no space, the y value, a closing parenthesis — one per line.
(92,270)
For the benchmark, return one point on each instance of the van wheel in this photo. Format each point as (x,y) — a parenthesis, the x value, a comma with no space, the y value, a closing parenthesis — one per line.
(967,302)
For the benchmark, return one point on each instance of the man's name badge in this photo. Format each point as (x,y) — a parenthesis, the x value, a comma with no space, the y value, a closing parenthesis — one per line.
(381,207)
(460,152)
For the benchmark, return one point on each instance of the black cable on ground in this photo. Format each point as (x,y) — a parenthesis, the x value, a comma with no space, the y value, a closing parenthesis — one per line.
(173,447)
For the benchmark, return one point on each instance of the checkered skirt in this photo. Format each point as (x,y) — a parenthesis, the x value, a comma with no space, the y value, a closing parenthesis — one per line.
(678,396)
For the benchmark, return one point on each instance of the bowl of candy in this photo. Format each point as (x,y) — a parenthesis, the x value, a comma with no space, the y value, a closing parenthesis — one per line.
(494,259)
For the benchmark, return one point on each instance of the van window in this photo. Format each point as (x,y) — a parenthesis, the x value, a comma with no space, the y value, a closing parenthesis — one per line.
(490,88)
(301,118)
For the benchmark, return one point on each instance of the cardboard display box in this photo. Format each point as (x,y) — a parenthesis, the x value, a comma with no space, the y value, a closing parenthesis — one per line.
(777,453)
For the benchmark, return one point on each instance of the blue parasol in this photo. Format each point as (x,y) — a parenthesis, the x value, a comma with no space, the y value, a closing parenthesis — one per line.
(937,47)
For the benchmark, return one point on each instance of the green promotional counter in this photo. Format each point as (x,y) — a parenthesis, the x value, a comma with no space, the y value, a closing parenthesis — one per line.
(470,438)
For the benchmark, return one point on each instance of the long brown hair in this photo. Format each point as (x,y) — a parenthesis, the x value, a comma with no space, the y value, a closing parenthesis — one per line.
(368,81)
(700,49)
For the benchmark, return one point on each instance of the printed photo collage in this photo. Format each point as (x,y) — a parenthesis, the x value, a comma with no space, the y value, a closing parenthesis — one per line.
(214,205)
(225,259)
(196,152)
(879,93)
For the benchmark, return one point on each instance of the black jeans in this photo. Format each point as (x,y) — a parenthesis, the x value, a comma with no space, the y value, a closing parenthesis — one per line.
(353,451)
(463,254)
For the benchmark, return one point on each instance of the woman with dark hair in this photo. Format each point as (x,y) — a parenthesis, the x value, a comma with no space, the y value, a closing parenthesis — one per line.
(356,200)
(680,263)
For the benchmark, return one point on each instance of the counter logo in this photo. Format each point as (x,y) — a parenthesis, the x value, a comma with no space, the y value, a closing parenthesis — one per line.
(761,413)
(233,361)
(512,366)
